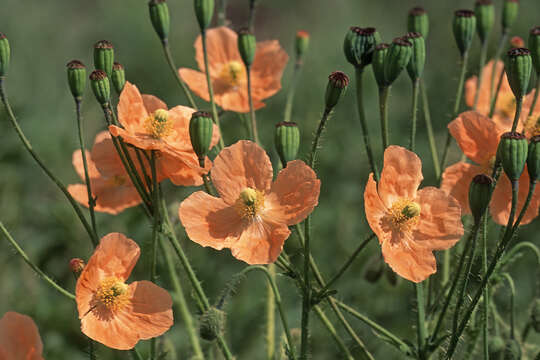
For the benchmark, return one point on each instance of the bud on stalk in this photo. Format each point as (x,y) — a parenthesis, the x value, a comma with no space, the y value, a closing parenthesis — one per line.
(480,195)
(104,56)
(301,43)
(398,57)
(510,12)
(5,53)
(76,75)
(513,151)
(118,77)
(204,11)
(200,132)
(159,16)
(415,68)
(464,27)
(211,323)
(518,65)
(379,56)
(533,162)
(534,47)
(100,86)
(485,16)
(337,84)
(418,21)
(287,141)
(359,45)
(246,46)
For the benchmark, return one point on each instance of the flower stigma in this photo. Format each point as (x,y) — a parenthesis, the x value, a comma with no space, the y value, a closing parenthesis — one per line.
(249,203)
(159,124)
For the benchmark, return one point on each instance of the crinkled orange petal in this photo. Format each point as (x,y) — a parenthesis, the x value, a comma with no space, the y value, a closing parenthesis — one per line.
(184,169)
(267,69)
(485,88)
(152,103)
(235,100)
(181,116)
(222,47)
(456,180)
(19,338)
(294,194)
(138,139)
(131,109)
(78,164)
(409,260)
(110,199)
(239,166)
(196,81)
(375,209)
(105,156)
(401,175)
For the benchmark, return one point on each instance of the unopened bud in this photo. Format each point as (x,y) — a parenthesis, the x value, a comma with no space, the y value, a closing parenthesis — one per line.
(5,53)
(533,161)
(287,141)
(301,43)
(415,67)
(118,77)
(518,66)
(204,11)
(512,351)
(534,47)
(159,15)
(517,42)
(201,130)
(76,75)
(104,56)
(337,84)
(359,44)
(100,86)
(512,152)
(379,56)
(485,16)
(246,46)
(510,12)
(464,27)
(480,191)
(76,265)
(212,323)
(418,21)
(398,57)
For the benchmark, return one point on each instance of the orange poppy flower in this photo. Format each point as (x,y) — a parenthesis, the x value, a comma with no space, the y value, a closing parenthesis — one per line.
(410,223)
(19,338)
(148,125)
(252,214)
(228,73)
(478,138)
(112,312)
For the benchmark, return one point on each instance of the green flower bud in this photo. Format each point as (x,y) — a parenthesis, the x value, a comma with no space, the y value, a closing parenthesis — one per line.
(534,47)
(337,84)
(518,65)
(533,161)
(379,56)
(246,46)
(418,21)
(200,132)
(373,269)
(535,315)
(415,67)
(5,52)
(480,195)
(159,15)
(76,75)
(104,56)
(464,27)
(118,77)
(485,15)
(496,347)
(512,152)
(512,350)
(510,12)
(100,86)
(359,45)
(287,141)
(212,323)
(399,55)
(301,43)
(204,10)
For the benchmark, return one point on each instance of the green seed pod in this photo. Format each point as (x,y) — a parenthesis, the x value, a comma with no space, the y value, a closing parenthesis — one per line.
(200,132)
(159,15)
(104,56)
(535,315)
(246,46)
(359,45)
(533,162)
(301,43)
(464,27)
(100,86)
(76,75)
(534,47)
(374,269)
(337,84)
(379,56)
(287,141)
(512,152)
(5,52)
(479,195)
(518,66)
(510,12)
(415,67)
(485,15)
(496,347)
(418,21)
(118,77)
(212,323)
(512,351)
(204,10)
(399,55)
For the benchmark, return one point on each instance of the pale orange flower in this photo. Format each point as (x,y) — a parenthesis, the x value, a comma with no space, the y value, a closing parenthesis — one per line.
(478,138)
(252,214)
(112,312)
(19,338)
(148,125)
(410,223)
(228,73)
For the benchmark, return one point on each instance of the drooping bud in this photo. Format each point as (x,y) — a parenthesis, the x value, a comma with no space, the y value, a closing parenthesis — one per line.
(480,191)
(464,27)
(159,15)
(534,47)
(212,323)
(485,16)
(201,130)
(118,77)
(359,45)
(204,10)
(418,21)
(246,46)
(76,75)
(337,84)
(301,43)
(76,265)
(379,56)
(287,141)
(100,86)
(399,55)
(518,65)
(5,53)
(517,42)
(512,351)
(374,269)
(104,56)
(510,12)
(533,161)
(512,152)
(415,67)
(535,315)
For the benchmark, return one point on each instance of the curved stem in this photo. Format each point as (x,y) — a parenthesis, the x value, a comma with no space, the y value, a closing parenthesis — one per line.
(172,66)
(383,107)
(429,129)
(255,132)
(333,332)
(413,115)
(519,106)
(421,322)
(512,296)
(292,91)
(483,54)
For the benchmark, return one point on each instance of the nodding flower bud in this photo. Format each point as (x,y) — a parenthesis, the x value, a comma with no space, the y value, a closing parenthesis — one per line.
(76,75)
(211,323)
(535,315)
(534,47)
(204,11)
(510,12)
(512,351)
(104,56)
(512,152)
(76,265)
(379,56)
(159,16)
(287,141)
(464,27)
(480,191)
(533,161)
(517,42)
(118,77)
(418,21)
(518,66)
(485,16)
(100,86)
(201,130)
(301,44)
(359,44)
(4,55)
(373,269)
(337,84)
(415,67)
(398,57)
(246,46)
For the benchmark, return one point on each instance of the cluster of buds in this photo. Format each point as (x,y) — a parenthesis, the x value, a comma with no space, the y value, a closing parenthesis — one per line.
(415,67)
(118,77)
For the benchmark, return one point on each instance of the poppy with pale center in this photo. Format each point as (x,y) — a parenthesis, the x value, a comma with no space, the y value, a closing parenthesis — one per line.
(228,73)
(148,125)
(478,138)
(410,223)
(253,214)
(19,338)
(112,312)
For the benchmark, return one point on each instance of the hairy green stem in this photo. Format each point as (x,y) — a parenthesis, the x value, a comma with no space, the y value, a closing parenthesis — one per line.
(155,234)
(421,320)
(292,91)
(429,129)
(512,296)
(384,93)
(483,55)
(415,88)
(172,66)
(332,330)
(270,316)
(485,295)
(519,106)
(255,132)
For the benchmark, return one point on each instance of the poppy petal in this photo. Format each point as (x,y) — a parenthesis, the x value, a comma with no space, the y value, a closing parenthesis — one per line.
(19,338)
(196,81)
(375,209)
(456,181)
(267,69)
(152,103)
(222,47)
(131,110)
(409,260)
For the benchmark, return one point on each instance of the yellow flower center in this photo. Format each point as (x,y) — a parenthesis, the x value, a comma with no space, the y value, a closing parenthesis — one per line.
(233,73)
(249,203)
(532,125)
(112,293)
(159,125)
(487,168)
(117,180)
(404,214)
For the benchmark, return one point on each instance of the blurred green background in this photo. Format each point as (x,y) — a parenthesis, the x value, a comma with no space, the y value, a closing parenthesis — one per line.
(45,35)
